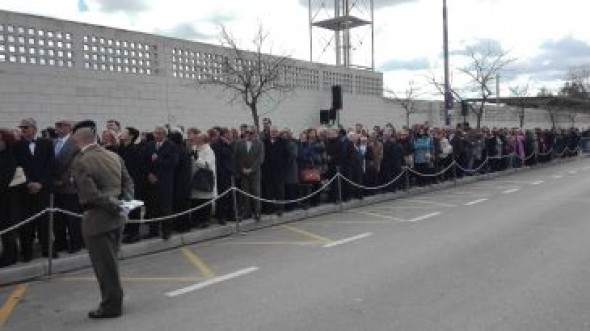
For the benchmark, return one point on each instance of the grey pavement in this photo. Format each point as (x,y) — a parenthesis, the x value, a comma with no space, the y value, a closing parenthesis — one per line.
(509,253)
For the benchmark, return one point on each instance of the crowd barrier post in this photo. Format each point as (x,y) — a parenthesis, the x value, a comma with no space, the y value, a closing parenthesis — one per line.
(339,186)
(407,179)
(235,204)
(50,238)
(455,172)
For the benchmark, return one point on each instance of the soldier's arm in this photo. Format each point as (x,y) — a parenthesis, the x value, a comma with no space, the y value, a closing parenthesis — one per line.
(90,196)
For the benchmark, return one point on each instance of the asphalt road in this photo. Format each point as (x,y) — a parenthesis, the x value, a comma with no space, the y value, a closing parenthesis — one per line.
(512,253)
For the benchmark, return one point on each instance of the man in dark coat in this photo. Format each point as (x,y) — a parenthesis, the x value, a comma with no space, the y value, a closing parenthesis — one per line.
(225,166)
(36,156)
(249,157)
(392,161)
(182,182)
(67,229)
(274,167)
(161,156)
(132,155)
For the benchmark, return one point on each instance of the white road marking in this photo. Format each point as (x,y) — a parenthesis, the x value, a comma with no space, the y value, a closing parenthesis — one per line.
(210,282)
(557,176)
(573,172)
(538,182)
(474,202)
(586,168)
(423,217)
(374,215)
(512,190)
(428,202)
(347,240)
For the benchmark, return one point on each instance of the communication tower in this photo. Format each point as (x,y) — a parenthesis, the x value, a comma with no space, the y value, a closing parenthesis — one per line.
(344,27)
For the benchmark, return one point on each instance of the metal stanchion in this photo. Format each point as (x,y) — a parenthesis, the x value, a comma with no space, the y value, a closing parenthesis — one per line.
(235,204)
(339,186)
(50,236)
(455,172)
(407,179)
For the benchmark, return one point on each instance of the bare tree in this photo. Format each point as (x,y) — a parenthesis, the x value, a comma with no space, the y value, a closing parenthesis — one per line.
(485,64)
(249,76)
(571,116)
(552,107)
(440,87)
(407,99)
(577,82)
(520,91)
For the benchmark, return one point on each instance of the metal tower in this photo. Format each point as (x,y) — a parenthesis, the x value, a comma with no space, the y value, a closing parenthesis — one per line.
(350,23)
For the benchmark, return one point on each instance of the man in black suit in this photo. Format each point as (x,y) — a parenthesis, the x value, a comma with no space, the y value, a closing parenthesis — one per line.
(161,156)
(67,229)
(274,167)
(225,166)
(36,156)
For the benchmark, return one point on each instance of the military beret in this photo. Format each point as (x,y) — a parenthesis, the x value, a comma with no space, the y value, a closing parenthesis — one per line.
(84,124)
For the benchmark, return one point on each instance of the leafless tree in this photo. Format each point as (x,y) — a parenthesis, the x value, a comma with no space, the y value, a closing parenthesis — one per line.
(553,108)
(440,87)
(406,99)
(249,76)
(485,63)
(571,116)
(520,91)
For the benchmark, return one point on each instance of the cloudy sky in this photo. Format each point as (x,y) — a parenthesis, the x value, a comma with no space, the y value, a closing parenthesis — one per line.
(544,36)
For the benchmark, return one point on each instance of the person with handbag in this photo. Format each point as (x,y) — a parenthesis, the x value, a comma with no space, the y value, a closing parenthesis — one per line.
(204,178)
(12,184)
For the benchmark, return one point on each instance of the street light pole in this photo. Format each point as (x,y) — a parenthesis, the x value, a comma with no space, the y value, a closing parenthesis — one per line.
(448,94)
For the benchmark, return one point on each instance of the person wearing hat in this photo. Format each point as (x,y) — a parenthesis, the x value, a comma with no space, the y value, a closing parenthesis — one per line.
(102,180)
(67,229)
(36,157)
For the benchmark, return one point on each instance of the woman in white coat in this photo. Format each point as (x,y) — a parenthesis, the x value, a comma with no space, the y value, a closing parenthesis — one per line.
(203,157)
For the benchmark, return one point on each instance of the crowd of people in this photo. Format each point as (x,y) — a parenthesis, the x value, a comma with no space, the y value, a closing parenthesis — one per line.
(175,170)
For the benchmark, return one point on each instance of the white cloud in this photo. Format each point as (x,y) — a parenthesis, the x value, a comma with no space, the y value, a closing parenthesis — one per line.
(406,31)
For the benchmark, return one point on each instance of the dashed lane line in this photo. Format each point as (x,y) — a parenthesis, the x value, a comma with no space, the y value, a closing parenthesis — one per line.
(423,217)
(347,240)
(428,202)
(210,282)
(475,202)
(538,182)
(557,177)
(400,207)
(375,215)
(13,299)
(512,190)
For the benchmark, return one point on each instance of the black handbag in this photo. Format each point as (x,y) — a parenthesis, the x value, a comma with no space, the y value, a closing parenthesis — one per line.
(203,180)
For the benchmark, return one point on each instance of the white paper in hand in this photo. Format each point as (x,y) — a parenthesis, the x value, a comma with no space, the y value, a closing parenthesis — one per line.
(128,206)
